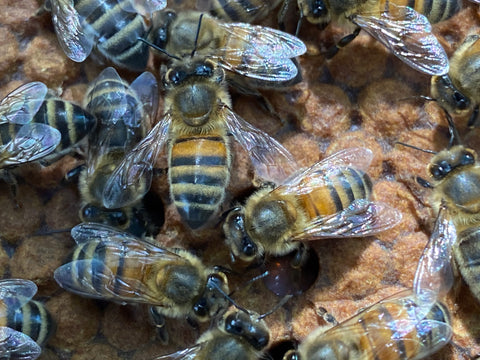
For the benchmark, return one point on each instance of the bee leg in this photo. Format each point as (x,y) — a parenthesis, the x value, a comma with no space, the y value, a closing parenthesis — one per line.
(300,257)
(194,324)
(342,43)
(159,321)
(10,179)
(326,316)
(73,174)
(282,14)
(422,182)
(473,118)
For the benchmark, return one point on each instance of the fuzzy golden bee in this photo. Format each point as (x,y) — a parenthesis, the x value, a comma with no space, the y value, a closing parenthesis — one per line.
(112,27)
(238,335)
(328,199)
(124,113)
(411,324)
(458,92)
(196,125)
(35,126)
(112,265)
(25,324)
(253,56)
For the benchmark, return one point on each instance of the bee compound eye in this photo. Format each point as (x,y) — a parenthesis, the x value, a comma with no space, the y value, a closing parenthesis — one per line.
(461,101)
(201,308)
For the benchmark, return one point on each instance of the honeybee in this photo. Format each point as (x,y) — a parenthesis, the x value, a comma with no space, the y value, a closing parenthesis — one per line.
(458,91)
(112,265)
(253,56)
(25,324)
(404,30)
(196,123)
(124,112)
(238,335)
(327,200)
(411,324)
(111,26)
(35,126)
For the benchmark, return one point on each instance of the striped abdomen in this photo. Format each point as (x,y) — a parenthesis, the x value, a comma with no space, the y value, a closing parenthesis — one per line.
(383,322)
(31,319)
(199,172)
(467,257)
(117,31)
(341,189)
(434,10)
(71,120)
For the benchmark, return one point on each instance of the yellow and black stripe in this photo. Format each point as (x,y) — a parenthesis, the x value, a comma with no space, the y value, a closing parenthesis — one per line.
(434,10)
(467,257)
(118,31)
(198,175)
(342,188)
(31,319)
(242,10)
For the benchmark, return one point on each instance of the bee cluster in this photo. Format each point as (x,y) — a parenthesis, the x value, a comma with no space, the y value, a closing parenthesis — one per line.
(244,172)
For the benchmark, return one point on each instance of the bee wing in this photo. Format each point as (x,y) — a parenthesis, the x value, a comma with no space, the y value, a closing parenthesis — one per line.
(19,289)
(146,88)
(266,53)
(361,218)
(75,35)
(32,142)
(271,160)
(248,7)
(136,169)
(17,345)
(143,7)
(317,175)
(189,353)
(408,35)
(89,231)
(434,275)
(21,105)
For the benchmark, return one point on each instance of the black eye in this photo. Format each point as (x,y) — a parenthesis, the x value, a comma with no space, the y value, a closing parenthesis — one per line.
(118,217)
(319,8)
(248,247)
(177,76)
(201,308)
(461,101)
(233,325)
(89,212)
(468,159)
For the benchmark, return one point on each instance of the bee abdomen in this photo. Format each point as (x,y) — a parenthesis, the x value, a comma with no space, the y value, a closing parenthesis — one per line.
(33,320)
(241,10)
(434,10)
(467,257)
(73,122)
(341,190)
(199,174)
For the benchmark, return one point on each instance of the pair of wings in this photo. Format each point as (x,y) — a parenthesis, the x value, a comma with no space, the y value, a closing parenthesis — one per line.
(270,159)
(134,105)
(408,35)
(76,36)
(15,344)
(362,218)
(31,141)
(80,276)
(267,52)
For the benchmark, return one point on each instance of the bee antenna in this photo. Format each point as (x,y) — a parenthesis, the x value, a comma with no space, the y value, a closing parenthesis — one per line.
(197,35)
(282,302)
(452,129)
(163,51)
(415,147)
(227,296)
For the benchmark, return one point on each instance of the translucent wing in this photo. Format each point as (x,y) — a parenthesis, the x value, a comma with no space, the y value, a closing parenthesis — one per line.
(136,169)
(94,231)
(265,53)
(408,35)
(16,345)
(143,7)
(190,353)
(32,142)
(75,35)
(434,275)
(361,218)
(252,9)
(146,88)
(21,105)
(317,175)
(19,289)
(271,160)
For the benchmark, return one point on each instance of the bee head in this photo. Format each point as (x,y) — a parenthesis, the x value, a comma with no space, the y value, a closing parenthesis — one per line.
(213,300)
(247,326)
(237,238)
(316,11)
(450,98)
(447,161)
(113,217)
